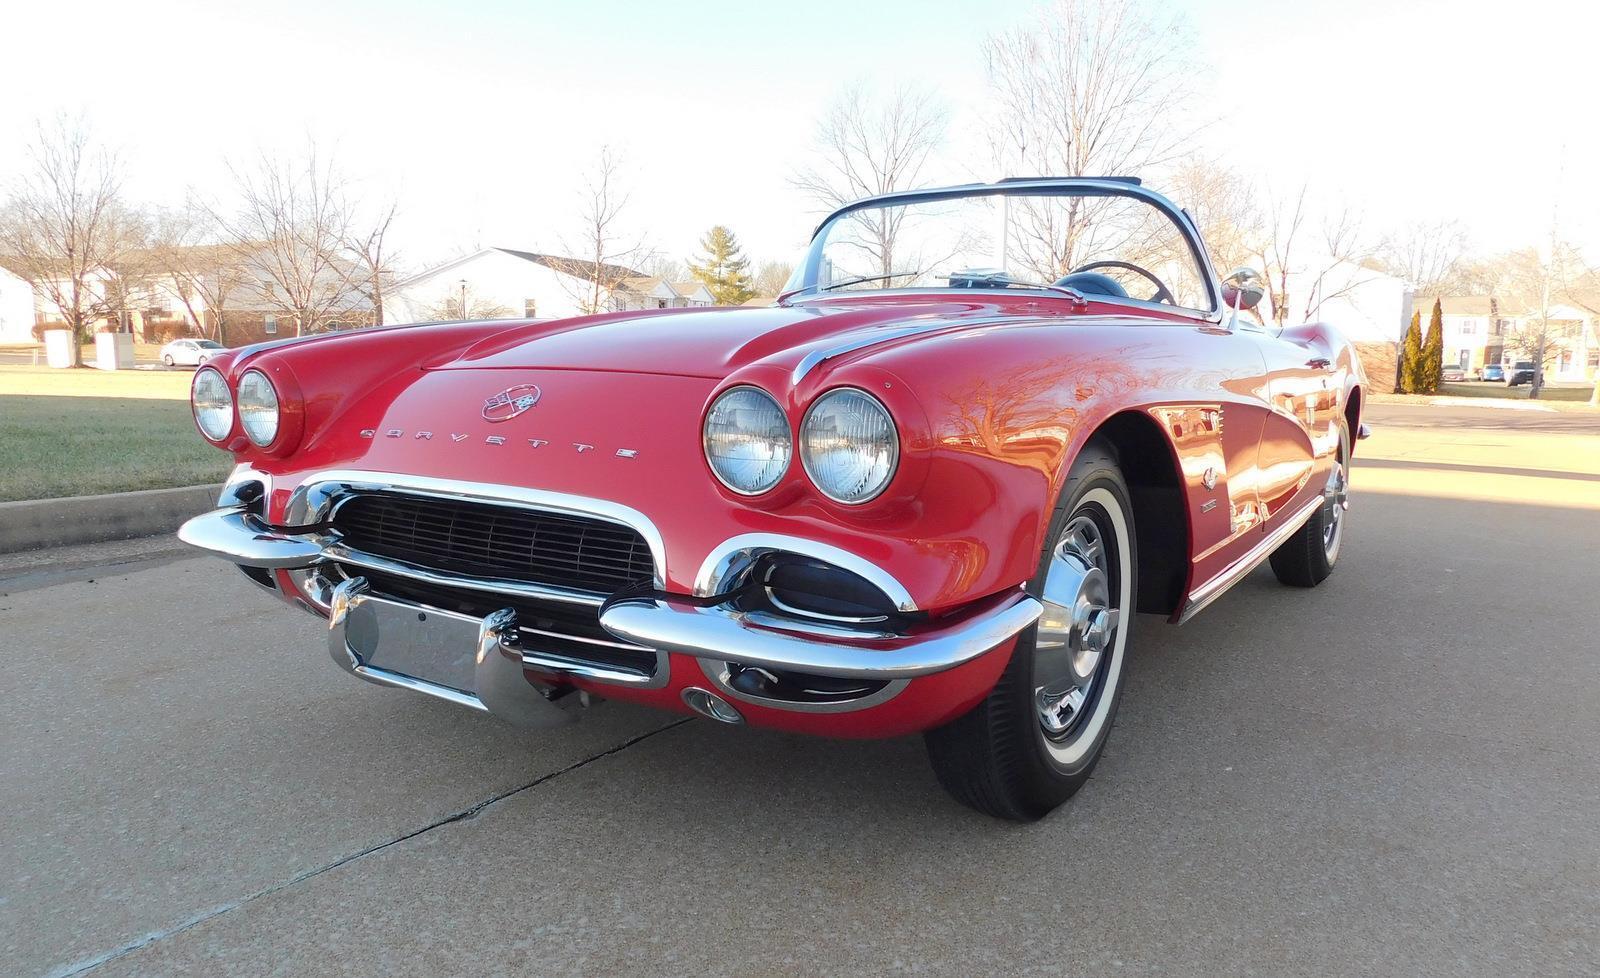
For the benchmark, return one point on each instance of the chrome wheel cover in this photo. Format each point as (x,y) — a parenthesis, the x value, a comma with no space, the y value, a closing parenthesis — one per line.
(1080,633)
(1335,502)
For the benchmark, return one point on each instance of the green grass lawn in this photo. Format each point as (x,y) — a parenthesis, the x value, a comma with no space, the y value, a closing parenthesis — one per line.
(81,432)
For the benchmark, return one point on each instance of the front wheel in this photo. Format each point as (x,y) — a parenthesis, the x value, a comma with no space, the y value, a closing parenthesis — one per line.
(1032,743)
(1307,558)
(168,360)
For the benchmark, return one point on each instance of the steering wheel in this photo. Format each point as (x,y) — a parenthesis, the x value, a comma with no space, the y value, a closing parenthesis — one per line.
(1162,293)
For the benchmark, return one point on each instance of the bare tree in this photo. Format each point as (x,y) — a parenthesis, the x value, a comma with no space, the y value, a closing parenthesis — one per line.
(206,274)
(666,269)
(1431,256)
(1333,265)
(1225,208)
(290,232)
(1544,280)
(462,305)
(866,146)
(1085,88)
(67,228)
(771,277)
(369,246)
(602,257)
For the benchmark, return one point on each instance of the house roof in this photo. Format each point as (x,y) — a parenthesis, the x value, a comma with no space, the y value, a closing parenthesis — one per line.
(691,287)
(576,267)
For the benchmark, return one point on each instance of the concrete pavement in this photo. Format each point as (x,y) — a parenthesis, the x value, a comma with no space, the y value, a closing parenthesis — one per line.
(1394,773)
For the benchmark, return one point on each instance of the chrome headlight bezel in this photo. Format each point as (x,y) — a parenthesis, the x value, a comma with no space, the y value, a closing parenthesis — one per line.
(892,447)
(260,408)
(218,409)
(780,436)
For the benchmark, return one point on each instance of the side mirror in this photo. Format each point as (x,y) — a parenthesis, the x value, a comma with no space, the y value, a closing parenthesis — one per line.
(1243,289)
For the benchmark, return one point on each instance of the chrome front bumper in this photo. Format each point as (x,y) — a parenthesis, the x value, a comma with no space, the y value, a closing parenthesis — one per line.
(391,642)
(722,633)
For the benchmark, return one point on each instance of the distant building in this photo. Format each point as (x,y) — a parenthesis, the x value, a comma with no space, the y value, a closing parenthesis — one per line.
(16,306)
(1478,330)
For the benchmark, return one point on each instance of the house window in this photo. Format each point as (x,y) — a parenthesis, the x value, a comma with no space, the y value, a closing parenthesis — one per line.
(1469,327)
(530,308)
(661,303)
(269,325)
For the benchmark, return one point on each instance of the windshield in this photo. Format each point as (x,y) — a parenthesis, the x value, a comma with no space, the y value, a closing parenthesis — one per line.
(209,345)
(1102,243)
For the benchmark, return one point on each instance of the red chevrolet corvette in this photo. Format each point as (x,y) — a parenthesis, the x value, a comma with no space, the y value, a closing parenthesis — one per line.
(925,492)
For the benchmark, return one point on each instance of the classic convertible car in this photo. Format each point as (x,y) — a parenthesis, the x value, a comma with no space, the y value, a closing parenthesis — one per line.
(925,492)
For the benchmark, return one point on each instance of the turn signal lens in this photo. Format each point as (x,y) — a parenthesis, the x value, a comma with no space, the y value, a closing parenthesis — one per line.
(747,440)
(212,404)
(258,408)
(849,446)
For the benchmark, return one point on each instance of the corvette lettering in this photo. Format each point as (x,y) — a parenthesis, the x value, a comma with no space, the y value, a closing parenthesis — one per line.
(580,447)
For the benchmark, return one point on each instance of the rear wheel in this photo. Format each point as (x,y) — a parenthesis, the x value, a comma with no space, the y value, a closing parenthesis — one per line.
(1307,558)
(167,359)
(1032,743)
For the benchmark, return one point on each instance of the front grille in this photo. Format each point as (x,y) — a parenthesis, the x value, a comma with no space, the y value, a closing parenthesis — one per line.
(491,540)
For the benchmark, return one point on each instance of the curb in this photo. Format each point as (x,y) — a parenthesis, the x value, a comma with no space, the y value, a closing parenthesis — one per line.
(31,524)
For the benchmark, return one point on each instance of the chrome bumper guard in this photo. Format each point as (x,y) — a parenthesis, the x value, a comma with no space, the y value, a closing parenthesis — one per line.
(726,634)
(470,662)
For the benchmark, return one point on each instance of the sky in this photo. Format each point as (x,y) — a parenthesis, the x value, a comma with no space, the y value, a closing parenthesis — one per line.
(483,116)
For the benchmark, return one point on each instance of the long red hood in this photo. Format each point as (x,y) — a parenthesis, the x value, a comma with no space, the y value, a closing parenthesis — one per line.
(710,343)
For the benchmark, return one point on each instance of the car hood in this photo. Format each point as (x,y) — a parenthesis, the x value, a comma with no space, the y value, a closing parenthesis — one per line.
(709,343)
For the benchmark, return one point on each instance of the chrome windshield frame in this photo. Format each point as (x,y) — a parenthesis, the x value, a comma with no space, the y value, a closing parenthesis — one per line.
(1039,187)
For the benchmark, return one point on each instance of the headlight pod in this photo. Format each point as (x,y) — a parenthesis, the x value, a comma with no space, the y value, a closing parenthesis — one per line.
(849,446)
(747,441)
(258,408)
(212,403)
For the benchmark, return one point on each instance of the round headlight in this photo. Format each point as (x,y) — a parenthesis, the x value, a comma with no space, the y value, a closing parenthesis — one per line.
(212,403)
(747,440)
(258,408)
(848,445)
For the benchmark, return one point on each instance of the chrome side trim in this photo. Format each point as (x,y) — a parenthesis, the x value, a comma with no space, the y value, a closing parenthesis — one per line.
(1213,589)
(735,556)
(725,634)
(318,492)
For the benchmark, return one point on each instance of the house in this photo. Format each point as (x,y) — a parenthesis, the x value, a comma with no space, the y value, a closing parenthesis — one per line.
(133,297)
(657,293)
(1482,329)
(16,306)
(504,283)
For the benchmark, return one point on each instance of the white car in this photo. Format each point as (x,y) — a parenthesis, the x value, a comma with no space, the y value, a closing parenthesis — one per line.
(190,353)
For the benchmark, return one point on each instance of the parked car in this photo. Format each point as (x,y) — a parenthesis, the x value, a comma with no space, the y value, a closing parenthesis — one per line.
(1453,374)
(1520,373)
(190,353)
(1492,371)
(924,492)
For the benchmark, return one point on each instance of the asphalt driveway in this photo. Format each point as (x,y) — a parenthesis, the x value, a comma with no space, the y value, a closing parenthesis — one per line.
(1395,773)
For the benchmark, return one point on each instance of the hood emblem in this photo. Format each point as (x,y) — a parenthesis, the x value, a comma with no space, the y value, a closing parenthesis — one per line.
(511,402)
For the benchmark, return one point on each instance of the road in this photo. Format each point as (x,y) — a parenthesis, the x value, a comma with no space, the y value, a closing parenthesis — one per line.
(1395,773)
